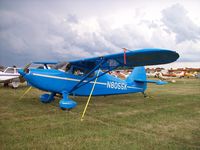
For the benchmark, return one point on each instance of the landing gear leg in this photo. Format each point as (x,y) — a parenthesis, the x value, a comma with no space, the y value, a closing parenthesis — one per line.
(66,103)
(51,96)
(144,94)
(47,98)
(5,84)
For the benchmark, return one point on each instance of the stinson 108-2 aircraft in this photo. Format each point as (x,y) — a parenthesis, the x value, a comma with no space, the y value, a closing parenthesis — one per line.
(90,76)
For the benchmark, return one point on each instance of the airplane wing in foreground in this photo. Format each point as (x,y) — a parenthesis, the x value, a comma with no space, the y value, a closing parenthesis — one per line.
(142,57)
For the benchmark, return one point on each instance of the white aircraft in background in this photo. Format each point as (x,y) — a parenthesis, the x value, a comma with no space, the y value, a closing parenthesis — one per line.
(10,75)
(152,74)
(170,76)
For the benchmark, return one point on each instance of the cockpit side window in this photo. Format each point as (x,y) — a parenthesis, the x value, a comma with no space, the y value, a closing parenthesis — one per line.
(72,69)
(9,70)
(78,71)
(81,71)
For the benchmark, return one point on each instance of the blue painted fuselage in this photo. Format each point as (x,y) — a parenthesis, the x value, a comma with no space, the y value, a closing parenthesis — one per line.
(56,81)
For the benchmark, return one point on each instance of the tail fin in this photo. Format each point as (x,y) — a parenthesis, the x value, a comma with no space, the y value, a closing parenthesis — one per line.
(138,74)
(139,79)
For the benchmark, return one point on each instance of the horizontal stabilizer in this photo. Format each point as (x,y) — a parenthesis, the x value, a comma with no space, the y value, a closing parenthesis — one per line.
(158,82)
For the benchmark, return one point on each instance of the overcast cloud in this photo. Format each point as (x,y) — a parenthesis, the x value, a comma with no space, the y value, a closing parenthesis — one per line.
(63,30)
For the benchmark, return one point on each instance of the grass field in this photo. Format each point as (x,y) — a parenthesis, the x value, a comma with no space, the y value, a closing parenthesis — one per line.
(168,119)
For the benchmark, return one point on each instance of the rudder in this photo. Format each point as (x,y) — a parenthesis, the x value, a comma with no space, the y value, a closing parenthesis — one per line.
(138,73)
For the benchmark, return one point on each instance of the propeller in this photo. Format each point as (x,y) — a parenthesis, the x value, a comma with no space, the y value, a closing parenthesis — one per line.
(25,70)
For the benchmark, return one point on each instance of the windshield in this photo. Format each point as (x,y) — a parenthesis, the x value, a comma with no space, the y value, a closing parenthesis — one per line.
(75,70)
(65,66)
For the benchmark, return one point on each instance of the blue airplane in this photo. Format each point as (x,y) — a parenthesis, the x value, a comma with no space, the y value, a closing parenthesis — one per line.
(79,77)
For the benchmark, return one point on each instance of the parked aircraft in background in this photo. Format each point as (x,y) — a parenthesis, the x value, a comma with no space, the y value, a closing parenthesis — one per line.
(170,78)
(10,75)
(152,74)
(189,75)
(171,75)
(122,74)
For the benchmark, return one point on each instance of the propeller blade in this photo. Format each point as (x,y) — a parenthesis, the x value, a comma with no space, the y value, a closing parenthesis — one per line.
(25,92)
(26,68)
(21,79)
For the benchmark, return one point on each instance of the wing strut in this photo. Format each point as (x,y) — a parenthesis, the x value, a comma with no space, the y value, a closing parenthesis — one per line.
(90,96)
(92,71)
(74,88)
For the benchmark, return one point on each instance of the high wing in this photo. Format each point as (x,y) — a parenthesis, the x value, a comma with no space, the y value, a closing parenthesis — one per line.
(142,57)
(45,62)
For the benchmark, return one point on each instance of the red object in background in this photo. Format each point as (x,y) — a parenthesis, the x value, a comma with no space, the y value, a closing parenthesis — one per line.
(124,56)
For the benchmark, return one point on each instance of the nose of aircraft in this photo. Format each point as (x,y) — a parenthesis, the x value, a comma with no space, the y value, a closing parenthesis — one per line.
(21,72)
(25,70)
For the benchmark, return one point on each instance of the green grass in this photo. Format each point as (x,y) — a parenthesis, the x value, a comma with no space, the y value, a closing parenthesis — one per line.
(168,119)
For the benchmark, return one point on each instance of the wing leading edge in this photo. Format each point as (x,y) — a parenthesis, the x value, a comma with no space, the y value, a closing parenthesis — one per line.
(142,57)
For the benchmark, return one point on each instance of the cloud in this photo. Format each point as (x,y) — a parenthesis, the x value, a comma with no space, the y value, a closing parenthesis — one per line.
(51,34)
(30,37)
(176,19)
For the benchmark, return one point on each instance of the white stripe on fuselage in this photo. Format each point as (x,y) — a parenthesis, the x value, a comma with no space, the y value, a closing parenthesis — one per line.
(77,80)
(64,78)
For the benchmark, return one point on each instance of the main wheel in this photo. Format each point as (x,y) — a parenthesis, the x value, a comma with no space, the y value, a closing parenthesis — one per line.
(15,84)
(67,104)
(46,98)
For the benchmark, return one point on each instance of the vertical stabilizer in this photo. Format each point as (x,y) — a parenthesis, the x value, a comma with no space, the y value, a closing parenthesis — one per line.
(138,74)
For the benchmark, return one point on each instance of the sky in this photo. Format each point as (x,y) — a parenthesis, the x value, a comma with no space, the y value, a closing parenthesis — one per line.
(65,30)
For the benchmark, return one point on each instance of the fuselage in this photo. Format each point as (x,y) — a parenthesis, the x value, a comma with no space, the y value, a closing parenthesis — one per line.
(57,81)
